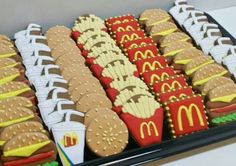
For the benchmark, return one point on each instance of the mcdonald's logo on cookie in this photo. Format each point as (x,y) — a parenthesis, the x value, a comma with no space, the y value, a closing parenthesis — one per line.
(148,129)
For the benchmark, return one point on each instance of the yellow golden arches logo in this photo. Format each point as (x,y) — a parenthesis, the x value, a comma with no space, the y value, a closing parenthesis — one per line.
(119,22)
(189,114)
(174,97)
(151,66)
(143,55)
(149,127)
(172,86)
(128,28)
(127,37)
(155,77)
(136,45)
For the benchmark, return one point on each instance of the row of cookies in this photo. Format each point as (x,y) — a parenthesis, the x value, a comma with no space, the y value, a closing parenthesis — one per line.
(20,127)
(129,95)
(206,35)
(171,89)
(56,109)
(205,75)
(89,97)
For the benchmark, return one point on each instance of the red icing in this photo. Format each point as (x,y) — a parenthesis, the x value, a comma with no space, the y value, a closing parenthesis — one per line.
(170,83)
(224,109)
(175,107)
(117,109)
(118,20)
(143,52)
(75,35)
(105,81)
(80,46)
(187,91)
(150,63)
(96,70)
(127,26)
(112,93)
(85,53)
(90,61)
(120,37)
(138,127)
(158,74)
(138,42)
(31,159)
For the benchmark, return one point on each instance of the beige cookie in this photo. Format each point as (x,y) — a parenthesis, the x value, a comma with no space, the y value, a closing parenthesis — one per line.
(197,63)
(107,135)
(208,72)
(6,51)
(58,30)
(4,37)
(173,37)
(28,126)
(81,79)
(154,15)
(17,101)
(93,100)
(94,112)
(215,82)
(54,41)
(73,70)
(8,63)
(67,60)
(86,88)
(65,48)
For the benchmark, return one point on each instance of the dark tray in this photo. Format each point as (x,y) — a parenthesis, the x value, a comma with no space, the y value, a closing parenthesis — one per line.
(136,155)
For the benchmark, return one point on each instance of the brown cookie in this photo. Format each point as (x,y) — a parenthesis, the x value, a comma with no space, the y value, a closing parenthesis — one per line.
(81,79)
(84,89)
(73,70)
(215,82)
(58,30)
(67,60)
(54,41)
(17,101)
(6,51)
(173,37)
(93,100)
(94,112)
(107,135)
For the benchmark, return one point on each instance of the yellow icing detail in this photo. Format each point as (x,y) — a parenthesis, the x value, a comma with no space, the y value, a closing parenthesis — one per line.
(168,44)
(226,99)
(14,93)
(156,77)
(189,72)
(149,130)
(143,18)
(2,142)
(136,45)
(8,79)
(129,38)
(189,115)
(172,86)
(8,123)
(143,55)
(10,66)
(25,151)
(172,53)
(128,28)
(7,55)
(208,78)
(164,33)
(151,66)
(183,62)
(158,22)
(63,158)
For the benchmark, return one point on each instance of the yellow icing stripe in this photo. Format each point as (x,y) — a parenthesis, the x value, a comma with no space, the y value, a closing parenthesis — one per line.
(158,22)
(2,142)
(189,72)
(208,78)
(167,44)
(25,151)
(10,66)
(183,62)
(226,99)
(164,33)
(143,18)
(14,93)
(8,79)
(63,158)
(8,123)
(172,53)
(7,55)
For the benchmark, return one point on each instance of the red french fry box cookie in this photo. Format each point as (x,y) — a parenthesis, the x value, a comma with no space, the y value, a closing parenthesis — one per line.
(173,82)
(120,19)
(142,41)
(150,77)
(122,36)
(75,35)
(186,115)
(141,52)
(126,26)
(144,124)
(175,94)
(150,64)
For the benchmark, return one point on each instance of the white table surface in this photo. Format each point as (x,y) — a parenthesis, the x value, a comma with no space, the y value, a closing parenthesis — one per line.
(225,153)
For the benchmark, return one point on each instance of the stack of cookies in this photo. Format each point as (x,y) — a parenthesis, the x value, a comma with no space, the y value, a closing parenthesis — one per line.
(206,35)
(171,89)
(132,101)
(201,71)
(23,140)
(58,112)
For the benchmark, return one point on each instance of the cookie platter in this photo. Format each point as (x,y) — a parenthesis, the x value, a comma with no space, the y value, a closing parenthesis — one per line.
(124,90)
